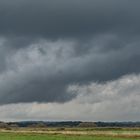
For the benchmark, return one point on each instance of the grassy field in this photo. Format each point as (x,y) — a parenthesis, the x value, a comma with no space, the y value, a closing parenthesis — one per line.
(21,136)
(70,134)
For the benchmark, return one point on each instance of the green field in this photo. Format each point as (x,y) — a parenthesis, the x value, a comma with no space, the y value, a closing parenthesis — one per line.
(70,134)
(20,136)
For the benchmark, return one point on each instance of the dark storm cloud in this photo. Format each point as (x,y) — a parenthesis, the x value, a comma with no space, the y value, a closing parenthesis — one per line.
(43,71)
(51,18)
(47,45)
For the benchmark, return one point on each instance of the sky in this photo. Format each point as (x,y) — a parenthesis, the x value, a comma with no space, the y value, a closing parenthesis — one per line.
(70,60)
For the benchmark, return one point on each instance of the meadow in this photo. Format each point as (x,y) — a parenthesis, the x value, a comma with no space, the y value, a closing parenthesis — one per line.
(20,136)
(70,134)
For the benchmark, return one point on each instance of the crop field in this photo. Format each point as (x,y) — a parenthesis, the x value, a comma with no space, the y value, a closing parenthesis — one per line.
(70,134)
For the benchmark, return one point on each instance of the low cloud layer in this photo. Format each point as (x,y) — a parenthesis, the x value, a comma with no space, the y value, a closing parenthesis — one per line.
(115,100)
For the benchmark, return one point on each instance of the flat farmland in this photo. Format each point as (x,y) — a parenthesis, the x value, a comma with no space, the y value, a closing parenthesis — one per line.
(70,134)
(21,136)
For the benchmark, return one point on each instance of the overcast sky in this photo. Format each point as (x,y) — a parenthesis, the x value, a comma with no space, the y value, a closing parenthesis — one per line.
(70,60)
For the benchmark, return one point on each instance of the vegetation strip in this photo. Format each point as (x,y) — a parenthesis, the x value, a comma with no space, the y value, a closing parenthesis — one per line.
(123,134)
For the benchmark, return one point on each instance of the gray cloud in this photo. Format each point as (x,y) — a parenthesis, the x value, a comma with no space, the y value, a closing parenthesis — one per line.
(43,71)
(48,45)
(63,18)
(111,101)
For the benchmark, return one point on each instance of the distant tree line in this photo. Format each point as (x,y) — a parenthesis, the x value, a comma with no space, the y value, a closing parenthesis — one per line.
(43,124)
(117,124)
